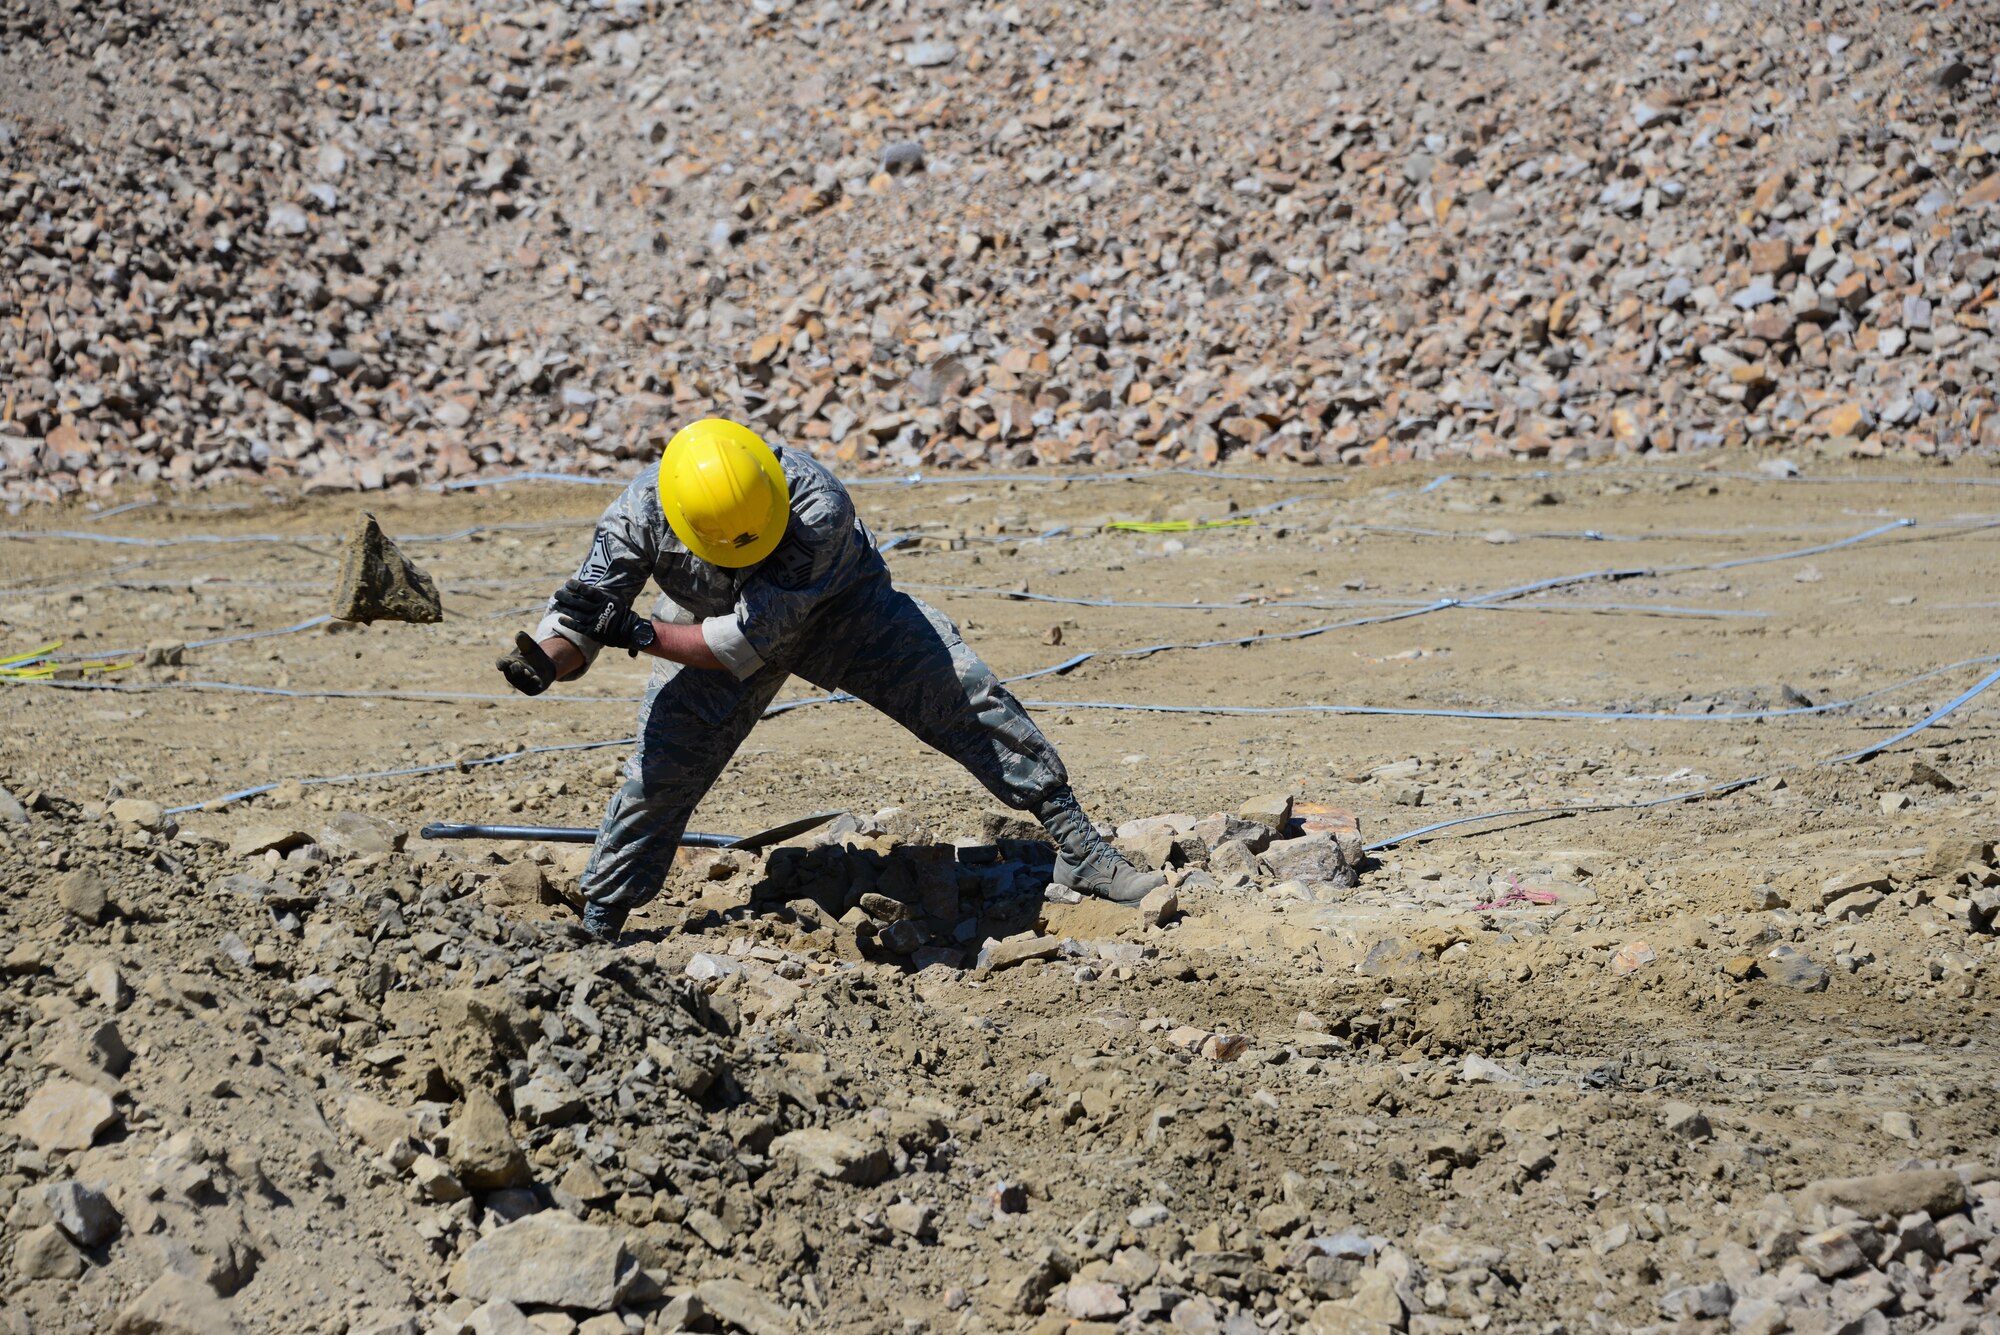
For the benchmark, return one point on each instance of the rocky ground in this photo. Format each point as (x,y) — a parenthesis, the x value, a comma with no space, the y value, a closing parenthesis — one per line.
(279,1063)
(369,245)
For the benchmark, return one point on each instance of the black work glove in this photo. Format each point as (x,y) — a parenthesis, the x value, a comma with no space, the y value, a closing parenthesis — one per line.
(591,611)
(528,670)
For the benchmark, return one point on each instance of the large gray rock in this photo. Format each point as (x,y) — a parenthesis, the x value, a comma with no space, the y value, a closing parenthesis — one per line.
(547,1258)
(1696,1302)
(923,55)
(1796,970)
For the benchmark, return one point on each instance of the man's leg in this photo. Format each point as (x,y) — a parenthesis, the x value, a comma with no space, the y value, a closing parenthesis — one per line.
(907,659)
(691,723)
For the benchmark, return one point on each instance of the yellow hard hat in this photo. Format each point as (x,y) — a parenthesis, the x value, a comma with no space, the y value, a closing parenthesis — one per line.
(723,492)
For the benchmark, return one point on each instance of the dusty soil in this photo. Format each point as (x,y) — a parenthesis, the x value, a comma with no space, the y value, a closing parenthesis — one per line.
(1518,1129)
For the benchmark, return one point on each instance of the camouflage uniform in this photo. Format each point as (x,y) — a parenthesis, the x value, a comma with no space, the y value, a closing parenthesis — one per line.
(821,606)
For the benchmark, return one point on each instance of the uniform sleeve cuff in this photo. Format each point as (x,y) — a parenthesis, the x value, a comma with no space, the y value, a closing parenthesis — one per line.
(551,627)
(725,639)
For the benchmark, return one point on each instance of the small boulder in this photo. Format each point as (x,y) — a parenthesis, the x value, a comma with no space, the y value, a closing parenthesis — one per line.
(549,1100)
(1934,1191)
(1094,1301)
(1272,810)
(1159,907)
(835,1155)
(251,841)
(501,1317)
(434,1181)
(386,1130)
(1850,881)
(902,158)
(82,1213)
(1220,828)
(517,885)
(141,814)
(740,1307)
(378,582)
(1684,1120)
(353,834)
(1697,1302)
(91,1049)
(1795,969)
(484,1154)
(1316,859)
(912,1219)
(547,1258)
(44,1253)
(1831,1253)
(83,895)
(66,1115)
(175,1304)
(995,955)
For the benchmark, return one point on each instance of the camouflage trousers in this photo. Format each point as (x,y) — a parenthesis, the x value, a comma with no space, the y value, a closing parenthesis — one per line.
(877,644)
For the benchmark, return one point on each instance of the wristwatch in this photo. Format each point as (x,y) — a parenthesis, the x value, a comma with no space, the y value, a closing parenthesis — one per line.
(643,635)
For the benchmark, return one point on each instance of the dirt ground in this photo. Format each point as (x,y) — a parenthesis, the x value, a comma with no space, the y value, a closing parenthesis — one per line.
(1549,1073)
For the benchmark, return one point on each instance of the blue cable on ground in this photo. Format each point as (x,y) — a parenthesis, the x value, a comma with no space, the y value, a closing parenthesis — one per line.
(841,697)
(1523,715)
(1321,605)
(263,788)
(1713,790)
(309,623)
(1865,753)
(1869,752)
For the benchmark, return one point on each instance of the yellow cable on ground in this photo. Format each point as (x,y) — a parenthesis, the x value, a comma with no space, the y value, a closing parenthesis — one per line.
(1174,525)
(48,648)
(32,670)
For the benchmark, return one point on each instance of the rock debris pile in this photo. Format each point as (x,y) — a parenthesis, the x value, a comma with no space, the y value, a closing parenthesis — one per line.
(367,246)
(301,1075)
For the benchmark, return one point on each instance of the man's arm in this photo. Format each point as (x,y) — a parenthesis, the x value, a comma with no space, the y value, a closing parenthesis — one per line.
(684,645)
(619,561)
(676,644)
